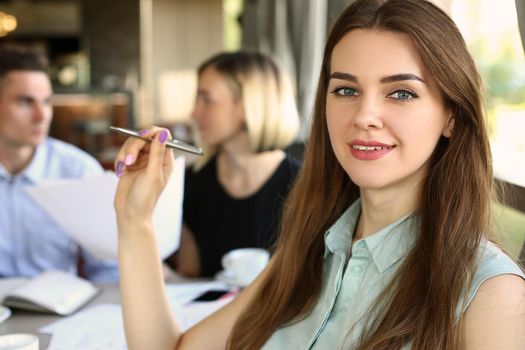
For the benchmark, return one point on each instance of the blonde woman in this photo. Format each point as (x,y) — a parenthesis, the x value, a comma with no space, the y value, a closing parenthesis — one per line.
(385,239)
(245,114)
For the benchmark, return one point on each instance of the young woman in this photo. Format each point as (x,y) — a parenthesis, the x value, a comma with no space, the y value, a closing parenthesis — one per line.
(245,114)
(385,237)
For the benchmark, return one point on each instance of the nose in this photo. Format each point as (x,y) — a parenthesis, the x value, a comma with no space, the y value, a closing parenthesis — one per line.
(368,115)
(41,112)
(196,112)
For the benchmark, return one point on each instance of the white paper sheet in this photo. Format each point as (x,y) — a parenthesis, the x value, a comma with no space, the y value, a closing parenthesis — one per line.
(84,209)
(101,326)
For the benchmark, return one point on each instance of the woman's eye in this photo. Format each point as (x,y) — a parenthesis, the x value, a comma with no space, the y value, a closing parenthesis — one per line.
(345,91)
(205,100)
(403,95)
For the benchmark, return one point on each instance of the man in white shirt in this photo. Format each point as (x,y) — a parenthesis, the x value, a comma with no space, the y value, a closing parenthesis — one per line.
(30,241)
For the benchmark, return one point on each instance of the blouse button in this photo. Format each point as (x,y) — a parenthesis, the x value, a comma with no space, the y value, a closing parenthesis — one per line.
(360,246)
(357,269)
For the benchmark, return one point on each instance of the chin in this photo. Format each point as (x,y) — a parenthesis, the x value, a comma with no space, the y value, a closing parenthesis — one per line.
(365,181)
(35,141)
(205,139)
(371,185)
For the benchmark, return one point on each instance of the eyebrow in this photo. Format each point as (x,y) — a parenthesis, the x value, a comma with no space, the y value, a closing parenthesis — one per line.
(202,92)
(29,98)
(387,79)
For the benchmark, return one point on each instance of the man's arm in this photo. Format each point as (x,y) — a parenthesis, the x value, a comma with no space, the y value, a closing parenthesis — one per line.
(96,270)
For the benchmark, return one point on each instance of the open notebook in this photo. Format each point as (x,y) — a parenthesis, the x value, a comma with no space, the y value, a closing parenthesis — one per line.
(55,292)
(5,313)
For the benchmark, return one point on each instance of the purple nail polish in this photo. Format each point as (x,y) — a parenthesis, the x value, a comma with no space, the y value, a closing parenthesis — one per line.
(120,168)
(143,132)
(163,136)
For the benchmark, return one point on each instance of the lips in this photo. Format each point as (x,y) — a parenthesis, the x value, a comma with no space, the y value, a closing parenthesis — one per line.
(39,131)
(369,150)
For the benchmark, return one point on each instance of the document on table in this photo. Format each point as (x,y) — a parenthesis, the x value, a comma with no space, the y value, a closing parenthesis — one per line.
(84,210)
(101,326)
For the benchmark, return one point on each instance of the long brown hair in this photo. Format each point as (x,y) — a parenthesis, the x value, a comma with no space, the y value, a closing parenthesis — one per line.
(453,207)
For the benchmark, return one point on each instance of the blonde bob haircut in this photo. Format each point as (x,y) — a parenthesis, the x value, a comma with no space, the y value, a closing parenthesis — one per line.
(267,96)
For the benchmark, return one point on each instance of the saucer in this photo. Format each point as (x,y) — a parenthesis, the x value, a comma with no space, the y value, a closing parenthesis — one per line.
(225,277)
(4,313)
(19,341)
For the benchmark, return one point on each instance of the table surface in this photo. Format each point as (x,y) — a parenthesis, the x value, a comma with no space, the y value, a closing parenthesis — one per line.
(29,322)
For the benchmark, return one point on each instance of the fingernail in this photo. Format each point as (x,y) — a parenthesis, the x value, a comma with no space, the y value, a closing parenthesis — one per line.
(120,168)
(128,160)
(163,136)
(143,132)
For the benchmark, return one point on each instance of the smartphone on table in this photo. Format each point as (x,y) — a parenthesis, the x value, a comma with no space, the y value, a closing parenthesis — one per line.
(212,295)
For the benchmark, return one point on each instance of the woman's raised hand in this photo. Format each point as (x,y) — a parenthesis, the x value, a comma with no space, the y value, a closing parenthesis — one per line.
(144,169)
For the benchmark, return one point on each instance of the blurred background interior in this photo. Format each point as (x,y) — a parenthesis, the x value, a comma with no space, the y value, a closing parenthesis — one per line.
(131,63)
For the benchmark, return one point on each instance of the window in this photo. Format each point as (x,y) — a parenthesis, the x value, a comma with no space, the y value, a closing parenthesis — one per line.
(492,34)
(232,10)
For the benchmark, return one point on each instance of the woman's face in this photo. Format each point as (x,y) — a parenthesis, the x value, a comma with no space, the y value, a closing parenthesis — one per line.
(218,115)
(384,111)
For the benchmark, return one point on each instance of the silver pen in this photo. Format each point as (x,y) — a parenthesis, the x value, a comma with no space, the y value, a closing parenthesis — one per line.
(176,144)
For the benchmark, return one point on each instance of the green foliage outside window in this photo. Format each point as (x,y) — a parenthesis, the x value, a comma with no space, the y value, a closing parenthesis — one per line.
(232,29)
(503,75)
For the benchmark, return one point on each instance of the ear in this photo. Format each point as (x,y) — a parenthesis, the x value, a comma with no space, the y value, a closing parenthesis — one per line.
(241,114)
(448,130)
(239,110)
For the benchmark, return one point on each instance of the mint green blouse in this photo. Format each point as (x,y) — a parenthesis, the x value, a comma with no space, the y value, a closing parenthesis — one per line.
(337,320)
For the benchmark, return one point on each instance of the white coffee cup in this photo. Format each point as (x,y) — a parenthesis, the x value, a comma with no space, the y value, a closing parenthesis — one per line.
(244,264)
(19,341)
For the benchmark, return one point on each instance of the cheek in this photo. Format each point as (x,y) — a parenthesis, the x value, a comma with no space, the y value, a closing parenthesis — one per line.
(49,113)
(209,115)
(15,119)
(231,117)
(336,121)
(419,139)
(339,125)
(238,118)
(19,115)
(337,135)
(332,129)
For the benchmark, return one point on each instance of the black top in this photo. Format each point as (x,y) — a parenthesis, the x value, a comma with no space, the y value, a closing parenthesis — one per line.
(221,223)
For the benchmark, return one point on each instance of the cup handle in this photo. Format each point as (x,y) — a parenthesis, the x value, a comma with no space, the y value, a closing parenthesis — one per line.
(226,263)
